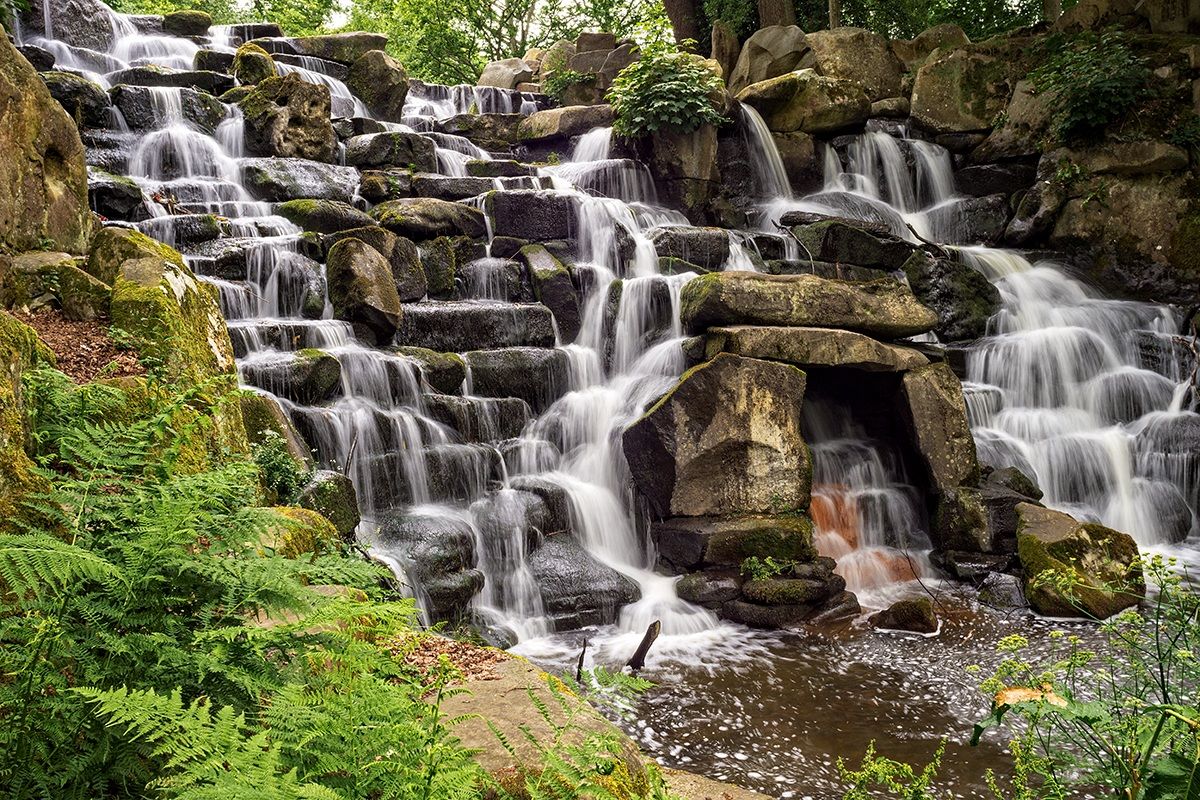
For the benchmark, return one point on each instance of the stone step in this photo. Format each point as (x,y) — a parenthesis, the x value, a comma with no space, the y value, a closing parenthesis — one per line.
(454,473)
(468,325)
(251,336)
(537,375)
(145,109)
(214,83)
(308,379)
(480,419)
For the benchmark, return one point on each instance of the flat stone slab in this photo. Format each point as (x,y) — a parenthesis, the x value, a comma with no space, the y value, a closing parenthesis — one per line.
(813,347)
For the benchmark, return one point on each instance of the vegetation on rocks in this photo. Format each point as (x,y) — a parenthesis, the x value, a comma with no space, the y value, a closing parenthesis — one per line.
(667,90)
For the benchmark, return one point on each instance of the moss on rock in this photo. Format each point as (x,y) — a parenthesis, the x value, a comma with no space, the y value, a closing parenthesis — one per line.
(299,531)
(20,349)
(252,65)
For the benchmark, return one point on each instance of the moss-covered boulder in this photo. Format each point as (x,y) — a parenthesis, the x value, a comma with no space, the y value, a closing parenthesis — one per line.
(362,289)
(724,441)
(860,56)
(345,47)
(806,101)
(307,377)
(381,83)
(294,532)
(323,216)
(253,65)
(332,495)
(962,297)
(813,347)
(882,308)
(913,615)
(553,287)
(113,246)
(421,218)
(961,89)
(439,258)
(1075,569)
(42,169)
(32,280)
(392,149)
(690,543)
(288,117)
(20,350)
(938,415)
(86,102)
(402,256)
(840,242)
(913,52)
(263,415)
(189,22)
(281,179)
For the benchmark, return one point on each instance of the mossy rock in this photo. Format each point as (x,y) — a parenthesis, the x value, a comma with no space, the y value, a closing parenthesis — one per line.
(187,23)
(299,531)
(253,64)
(114,246)
(332,494)
(439,257)
(36,279)
(914,615)
(785,591)
(262,413)
(1101,565)
(324,216)
(20,349)
(445,372)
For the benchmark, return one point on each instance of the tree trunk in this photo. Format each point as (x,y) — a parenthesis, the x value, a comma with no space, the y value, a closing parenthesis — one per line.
(1051,10)
(776,12)
(835,14)
(685,18)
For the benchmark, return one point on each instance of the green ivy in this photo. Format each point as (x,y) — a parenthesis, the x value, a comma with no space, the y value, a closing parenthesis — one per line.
(665,90)
(559,81)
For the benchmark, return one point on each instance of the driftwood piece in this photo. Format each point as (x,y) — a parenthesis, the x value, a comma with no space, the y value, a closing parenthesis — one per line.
(638,660)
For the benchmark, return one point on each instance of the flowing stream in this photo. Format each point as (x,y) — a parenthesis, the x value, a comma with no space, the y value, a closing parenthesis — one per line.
(1084,393)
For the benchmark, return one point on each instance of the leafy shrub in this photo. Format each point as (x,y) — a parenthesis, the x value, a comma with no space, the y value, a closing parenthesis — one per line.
(664,90)
(563,79)
(761,569)
(282,475)
(895,778)
(1094,81)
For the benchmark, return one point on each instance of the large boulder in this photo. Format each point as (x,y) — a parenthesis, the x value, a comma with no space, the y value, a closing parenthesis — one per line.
(362,289)
(20,350)
(423,218)
(961,90)
(706,248)
(345,48)
(969,220)
(187,23)
(402,255)
(288,117)
(506,74)
(32,280)
(253,65)
(381,83)
(534,374)
(264,418)
(685,168)
(307,377)
(115,196)
(806,101)
(839,242)
(459,327)
(770,52)
(43,171)
(280,179)
(963,299)
(1100,566)
(214,83)
(86,102)
(563,123)
(883,308)
(860,56)
(439,556)
(725,440)
(938,416)
(332,494)
(79,23)
(1023,126)
(913,52)
(577,590)
(813,347)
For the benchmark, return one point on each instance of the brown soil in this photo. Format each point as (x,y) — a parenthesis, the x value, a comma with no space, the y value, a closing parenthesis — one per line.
(422,651)
(84,350)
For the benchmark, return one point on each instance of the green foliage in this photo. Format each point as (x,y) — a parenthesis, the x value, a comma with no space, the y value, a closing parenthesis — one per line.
(895,778)
(740,15)
(1125,716)
(664,90)
(223,12)
(563,79)
(282,475)
(297,19)
(1186,131)
(430,37)
(1095,80)
(761,569)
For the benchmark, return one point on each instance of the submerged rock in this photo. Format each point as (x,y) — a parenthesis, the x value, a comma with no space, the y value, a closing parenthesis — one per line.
(915,615)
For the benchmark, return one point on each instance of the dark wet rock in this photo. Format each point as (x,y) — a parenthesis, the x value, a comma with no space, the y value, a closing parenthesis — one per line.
(532,215)
(576,589)
(970,220)
(392,149)
(440,555)
(915,615)
(381,83)
(324,216)
(280,179)
(480,419)
(86,102)
(41,58)
(442,371)
(709,589)
(213,61)
(499,168)
(214,83)
(555,498)
(439,258)
(840,243)
(459,327)
(982,180)
(999,590)
(288,117)
(494,278)
(449,187)
(421,218)
(689,543)
(963,299)
(309,377)
(490,131)
(402,256)
(1001,491)
(971,567)
(553,287)
(536,375)
(115,196)
(938,416)
(138,106)
(381,185)
(707,248)
(362,289)
(723,441)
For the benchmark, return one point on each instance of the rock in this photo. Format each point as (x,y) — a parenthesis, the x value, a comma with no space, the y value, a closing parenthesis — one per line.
(332,495)
(981,180)
(684,166)
(83,100)
(213,61)
(142,109)
(725,440)
(813,347)
(499,168)
(532,215)
(960,90)
(343,47)
(859,56)
(1002,591)
(480,419)
(939,421)
(1101,563)
(20,481)
(690,543)
(34,279)
(75,22)
(287,117)
(898,107)
(39,57)
(279,179)
(440,262)
(423,218)
(187,23)
(442,371)
(840,243)
(1024,126)
(707,248)
(115,196)
(1124,158)
(214,83)
(577,590)
(882,308)
(307,377)
(439,554)
(768,53)
(381,185)
(263,415)
(459,327)
(402,256)
(505,74)
(553,287)
(798,152)
(253,65)
(381,83)
(915,615)
(589,41)
(969,220)
(807,102)
(709,589)
(534,374)
(913,52)
(726,48)
(296,532)
(563,123)
(489,131)
(362,289)
(789,591)
(323,216)
(43,171)
(963,299)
